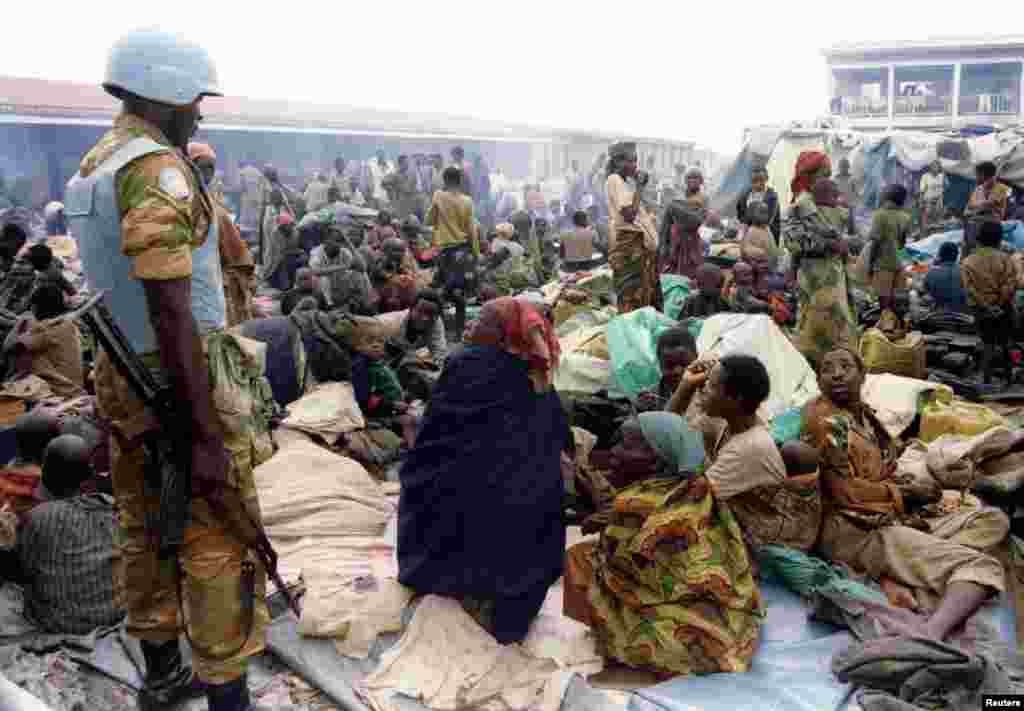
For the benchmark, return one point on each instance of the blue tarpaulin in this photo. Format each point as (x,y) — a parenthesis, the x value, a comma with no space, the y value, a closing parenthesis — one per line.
(928,248)
(791,670)
(735,182)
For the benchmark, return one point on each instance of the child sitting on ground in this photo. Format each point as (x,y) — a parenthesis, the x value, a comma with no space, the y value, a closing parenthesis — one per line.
(708,300)
(676,349)
(741,294)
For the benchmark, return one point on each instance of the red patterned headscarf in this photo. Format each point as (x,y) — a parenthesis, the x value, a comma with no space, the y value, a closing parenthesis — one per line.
(526,333)
(810,165)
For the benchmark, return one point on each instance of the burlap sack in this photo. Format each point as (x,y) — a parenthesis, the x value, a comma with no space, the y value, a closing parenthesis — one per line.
(906,356)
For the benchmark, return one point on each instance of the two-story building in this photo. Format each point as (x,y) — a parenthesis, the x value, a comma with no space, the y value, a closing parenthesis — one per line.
(931,85)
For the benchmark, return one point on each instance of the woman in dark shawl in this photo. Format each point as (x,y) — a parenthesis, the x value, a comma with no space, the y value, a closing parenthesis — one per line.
(480,510)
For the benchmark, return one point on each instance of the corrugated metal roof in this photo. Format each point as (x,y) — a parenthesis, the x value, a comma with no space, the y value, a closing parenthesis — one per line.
(43,97)
(965,43)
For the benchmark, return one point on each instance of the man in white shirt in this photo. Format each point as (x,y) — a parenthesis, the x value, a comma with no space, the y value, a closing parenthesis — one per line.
(316,193)
(379,169)
(933,187)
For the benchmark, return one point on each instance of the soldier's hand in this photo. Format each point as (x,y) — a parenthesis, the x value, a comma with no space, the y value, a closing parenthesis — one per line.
(210,462)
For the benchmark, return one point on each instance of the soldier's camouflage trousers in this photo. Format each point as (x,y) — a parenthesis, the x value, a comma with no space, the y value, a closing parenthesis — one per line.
(210,562)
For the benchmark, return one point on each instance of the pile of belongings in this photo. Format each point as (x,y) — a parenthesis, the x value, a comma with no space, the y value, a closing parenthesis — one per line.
(952,352)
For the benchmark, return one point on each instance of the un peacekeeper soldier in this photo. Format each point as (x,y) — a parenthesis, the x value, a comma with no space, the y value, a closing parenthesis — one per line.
(148,234)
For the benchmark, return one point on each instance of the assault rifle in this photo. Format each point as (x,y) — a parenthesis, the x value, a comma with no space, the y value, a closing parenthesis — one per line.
(168,458)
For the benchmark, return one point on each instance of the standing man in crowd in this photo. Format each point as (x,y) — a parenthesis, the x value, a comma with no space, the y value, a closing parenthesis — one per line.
(316,192)
(378,170)
(988,203)
(931,192)
(459,161)
(457,238)
(402,190)
(147,233)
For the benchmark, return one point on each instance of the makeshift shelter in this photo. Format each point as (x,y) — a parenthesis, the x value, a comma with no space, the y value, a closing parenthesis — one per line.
(876,159)
(777,148)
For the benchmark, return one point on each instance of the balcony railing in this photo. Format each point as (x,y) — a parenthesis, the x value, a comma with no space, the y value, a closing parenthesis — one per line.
(859,106)
(924,105)
(989,104)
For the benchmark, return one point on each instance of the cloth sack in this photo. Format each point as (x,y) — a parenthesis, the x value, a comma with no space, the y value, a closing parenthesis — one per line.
(941,414)
(906,356)
(953,459)
(329,410)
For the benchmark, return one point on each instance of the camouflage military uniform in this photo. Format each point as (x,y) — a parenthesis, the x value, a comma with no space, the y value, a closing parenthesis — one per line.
(159,230)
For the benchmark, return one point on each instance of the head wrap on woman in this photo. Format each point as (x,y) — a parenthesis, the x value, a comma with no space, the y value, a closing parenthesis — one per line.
(809,166)
(672,440)
(525,333)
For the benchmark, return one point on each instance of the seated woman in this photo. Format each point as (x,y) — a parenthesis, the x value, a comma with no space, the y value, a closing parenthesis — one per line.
(884,526)
(47,345)
(507,268)
(743,464)
(479,517)
(669,586)
(394,277)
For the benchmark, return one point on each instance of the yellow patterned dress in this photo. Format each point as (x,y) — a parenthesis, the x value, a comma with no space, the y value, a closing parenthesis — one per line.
(826,318)
(633,256)
(669,584)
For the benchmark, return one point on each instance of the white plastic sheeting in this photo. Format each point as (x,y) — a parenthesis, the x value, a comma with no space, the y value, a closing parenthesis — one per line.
(793,380)
(916,150)
(894,399)
(14,698)
(783,160)
(779,147)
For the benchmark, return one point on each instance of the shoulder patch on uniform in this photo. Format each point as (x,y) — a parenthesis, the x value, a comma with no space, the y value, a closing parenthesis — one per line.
(173,182)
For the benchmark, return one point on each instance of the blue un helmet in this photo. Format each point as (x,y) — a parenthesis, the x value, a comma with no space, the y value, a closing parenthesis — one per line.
(161,67)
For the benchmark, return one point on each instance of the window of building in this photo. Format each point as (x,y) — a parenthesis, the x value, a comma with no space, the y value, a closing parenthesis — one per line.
(990,88)
(926,90)
(861,92)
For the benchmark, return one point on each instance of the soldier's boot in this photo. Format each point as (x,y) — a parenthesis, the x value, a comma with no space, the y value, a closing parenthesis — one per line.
(168,680)
(232,696)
